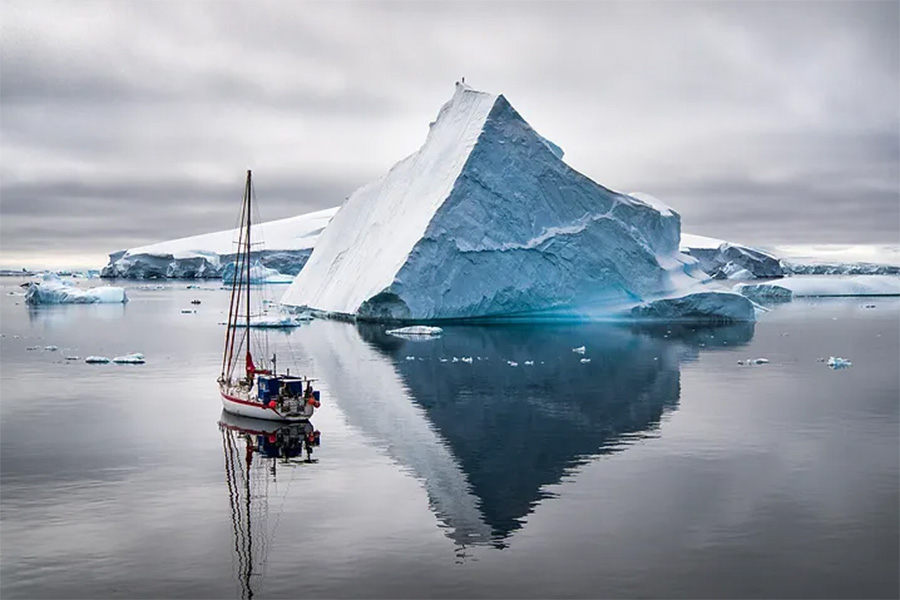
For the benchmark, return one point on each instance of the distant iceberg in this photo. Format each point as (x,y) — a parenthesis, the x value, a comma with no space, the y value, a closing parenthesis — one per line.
(259,273)
(52,290)
(727,260)
(288,245)
(766,293)
(826,285)
(486,220)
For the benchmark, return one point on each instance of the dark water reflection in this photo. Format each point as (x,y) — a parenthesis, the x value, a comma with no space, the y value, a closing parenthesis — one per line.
(500,434)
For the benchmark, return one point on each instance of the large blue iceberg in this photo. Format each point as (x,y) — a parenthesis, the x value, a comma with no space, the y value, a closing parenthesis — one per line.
(487,221)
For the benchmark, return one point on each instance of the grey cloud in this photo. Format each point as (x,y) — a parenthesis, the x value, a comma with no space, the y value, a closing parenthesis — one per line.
(764,120)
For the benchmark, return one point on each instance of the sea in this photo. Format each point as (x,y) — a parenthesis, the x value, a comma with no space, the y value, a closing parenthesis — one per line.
(665,461)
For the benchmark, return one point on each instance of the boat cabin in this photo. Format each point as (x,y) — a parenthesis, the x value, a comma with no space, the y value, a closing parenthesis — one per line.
(271,385)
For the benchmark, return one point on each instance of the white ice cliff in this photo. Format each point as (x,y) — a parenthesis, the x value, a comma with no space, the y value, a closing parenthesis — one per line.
(486,220)
(287,244)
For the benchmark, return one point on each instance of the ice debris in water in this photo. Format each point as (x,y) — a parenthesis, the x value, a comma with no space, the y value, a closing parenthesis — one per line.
(96,360)
(410,358)
(443,360)
(455,359)
(529,362)
(836,362)
(585,361)
(579,350)
(33,348)
(71,358)
(416,332)
(760,361)
(467,359)
(512,363)
(188,311)
(51,348)
(135,358)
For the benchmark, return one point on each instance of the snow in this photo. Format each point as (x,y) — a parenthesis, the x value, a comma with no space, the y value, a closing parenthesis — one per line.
(811,254)
(714,306)
(485,220)
(416,332)
(653,202)
(52,290)
(832,285)
(292,233)
(689,241)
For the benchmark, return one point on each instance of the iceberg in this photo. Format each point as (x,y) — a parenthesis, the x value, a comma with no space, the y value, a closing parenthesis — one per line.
(727,260)
(836,362)
(416,332)
(829,285)
(486,221)
(708,306)
(278,321)
(288,245)
(96,360)
(52,290)
(259,273)
(764,293)
(135,358)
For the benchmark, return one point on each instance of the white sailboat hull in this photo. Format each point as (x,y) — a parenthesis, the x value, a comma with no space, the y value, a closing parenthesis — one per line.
(241,405)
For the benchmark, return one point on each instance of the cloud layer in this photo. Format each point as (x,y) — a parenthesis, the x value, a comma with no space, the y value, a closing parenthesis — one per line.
(125,123)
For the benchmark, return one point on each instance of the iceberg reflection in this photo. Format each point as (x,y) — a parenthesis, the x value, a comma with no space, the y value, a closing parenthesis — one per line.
(487,438)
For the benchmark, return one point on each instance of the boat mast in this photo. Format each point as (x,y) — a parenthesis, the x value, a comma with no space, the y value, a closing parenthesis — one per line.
(234,303)
(249,212)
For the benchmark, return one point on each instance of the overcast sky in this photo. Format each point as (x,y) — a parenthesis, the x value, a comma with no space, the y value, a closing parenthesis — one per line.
(125,123)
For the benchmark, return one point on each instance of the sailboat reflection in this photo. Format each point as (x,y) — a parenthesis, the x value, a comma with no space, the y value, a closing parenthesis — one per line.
(253,452)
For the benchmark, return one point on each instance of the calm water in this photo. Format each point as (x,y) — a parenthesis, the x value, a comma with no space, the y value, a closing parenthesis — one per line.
(662,468)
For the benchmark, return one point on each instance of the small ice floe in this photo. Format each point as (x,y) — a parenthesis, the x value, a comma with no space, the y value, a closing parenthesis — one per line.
(188,311)
(467,359)
(760,361)
(836,362)
(416,332)
(869,306)
(135,358)
(584,361)
(443,360)
(410,358)
(51,348)
(33,348)
(195,301)
(193,286)
(97,360)
(512,363)
(529,363)
(454,359)
(280,321)
(579,350)
(72,358)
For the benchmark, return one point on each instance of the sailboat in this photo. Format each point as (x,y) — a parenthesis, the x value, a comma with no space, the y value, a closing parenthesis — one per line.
(249,389)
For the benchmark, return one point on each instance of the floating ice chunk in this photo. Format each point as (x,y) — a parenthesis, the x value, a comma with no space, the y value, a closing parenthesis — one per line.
(416,332)
(188,311)
(467,359)
(96,360)
(585,360)
(512,363)
(52,290)
(869,306)
(135,358)
(455,359)
(51,348)
(713,306)
(33,348)
(410,358)
(528,363)
(72,358)
(760,361)
(443,360)
(836,362)
(280,321)
(579,350)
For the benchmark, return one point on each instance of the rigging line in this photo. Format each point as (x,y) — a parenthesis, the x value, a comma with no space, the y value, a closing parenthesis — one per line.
(249,213)
(235,298)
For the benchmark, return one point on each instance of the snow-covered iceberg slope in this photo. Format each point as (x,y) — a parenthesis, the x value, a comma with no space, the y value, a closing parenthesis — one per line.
(486,220)
(259,273)
(288,243)
(52,290)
